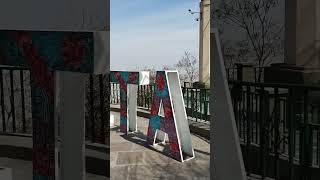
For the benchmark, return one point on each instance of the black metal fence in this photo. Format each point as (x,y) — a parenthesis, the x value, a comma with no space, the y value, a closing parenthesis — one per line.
(196,100)
(279,126)
(15,101)
(15,104)
(236,74)
(97,108)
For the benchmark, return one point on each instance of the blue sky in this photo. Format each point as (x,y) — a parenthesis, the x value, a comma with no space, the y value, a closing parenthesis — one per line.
(152,33)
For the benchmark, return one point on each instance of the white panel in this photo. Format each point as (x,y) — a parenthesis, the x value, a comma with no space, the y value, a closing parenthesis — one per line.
(180,114)
(111,120)
(132,107)
(102,52)
(225,144)
(144,77)
(66,15)
(71,87)
(160,137)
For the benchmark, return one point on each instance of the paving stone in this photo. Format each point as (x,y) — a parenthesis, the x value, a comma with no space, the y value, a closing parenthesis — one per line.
(153,162)
(152,157)
(113,158)
(127,158)
(119,173)
(119,147)
(189,169)
(142,172)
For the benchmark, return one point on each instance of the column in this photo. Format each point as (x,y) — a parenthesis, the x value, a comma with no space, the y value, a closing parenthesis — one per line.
(204,43)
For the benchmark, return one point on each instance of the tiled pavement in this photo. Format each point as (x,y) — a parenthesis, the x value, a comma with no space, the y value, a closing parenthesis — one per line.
(131,159)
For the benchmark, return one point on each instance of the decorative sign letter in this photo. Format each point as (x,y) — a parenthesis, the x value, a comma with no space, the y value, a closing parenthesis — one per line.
(174,122)
(44,53)
(129,82)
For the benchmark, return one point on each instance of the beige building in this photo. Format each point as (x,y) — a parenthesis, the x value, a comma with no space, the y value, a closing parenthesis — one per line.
(303,32)
(204,44)
(302,41)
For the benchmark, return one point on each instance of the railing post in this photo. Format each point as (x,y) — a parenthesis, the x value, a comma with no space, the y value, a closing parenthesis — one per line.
(276,133)
(262,133)
(290,121)
(4,128)
(249,119)
(307,144)
(22,102)
(93,136)
(192,102)
(102,111)
(12,102)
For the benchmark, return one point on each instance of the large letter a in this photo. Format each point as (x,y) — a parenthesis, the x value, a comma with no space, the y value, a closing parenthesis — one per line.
(174,122)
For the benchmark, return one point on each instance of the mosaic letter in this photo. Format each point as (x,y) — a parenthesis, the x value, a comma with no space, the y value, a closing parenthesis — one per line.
(128,82)
(44,53)
(174,122)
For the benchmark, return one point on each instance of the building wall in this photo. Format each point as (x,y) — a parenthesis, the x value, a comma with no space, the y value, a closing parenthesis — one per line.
(307,33)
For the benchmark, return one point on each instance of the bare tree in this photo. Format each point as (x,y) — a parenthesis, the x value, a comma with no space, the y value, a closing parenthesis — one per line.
(254,17)
(188,67)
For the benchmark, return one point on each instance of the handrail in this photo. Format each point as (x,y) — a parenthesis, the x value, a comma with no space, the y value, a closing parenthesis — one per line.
(275,85)
(4,67)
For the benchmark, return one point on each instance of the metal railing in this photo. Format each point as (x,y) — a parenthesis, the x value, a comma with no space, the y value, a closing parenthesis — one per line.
(235,74)
(196,100)
(279,127)
(16,110)
(278,124)
(15,101)
(197,103)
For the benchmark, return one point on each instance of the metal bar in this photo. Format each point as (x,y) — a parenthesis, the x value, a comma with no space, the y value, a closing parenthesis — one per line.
(102,111)
(93,136)
(187,92)
(249,119)
(192,103)
(4,128)
(307,134)
(12,102)
(257,116)
(262,133)
(273,85)
(290,120)
(22,102)
(276,133)
(145,96)
(197,103)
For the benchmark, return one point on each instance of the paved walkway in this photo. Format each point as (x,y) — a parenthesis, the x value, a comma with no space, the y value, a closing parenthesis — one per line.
(131,159)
